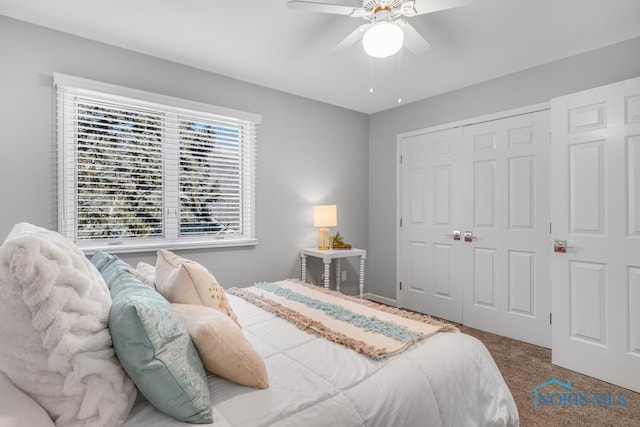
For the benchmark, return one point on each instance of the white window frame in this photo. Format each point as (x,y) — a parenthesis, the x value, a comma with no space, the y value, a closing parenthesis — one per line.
(70,86)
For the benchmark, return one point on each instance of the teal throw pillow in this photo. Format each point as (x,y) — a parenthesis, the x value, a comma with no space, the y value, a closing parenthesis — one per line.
(153,345)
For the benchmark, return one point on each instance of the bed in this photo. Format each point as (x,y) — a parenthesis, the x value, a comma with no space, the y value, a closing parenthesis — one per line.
(446,379)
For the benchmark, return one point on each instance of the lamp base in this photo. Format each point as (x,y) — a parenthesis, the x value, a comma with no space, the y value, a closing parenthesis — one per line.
(323,238)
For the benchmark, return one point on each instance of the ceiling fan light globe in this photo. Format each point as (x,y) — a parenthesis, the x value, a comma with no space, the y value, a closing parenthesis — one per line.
(383,39)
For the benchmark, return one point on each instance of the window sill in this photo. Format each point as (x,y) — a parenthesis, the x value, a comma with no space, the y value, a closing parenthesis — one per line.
(90,249)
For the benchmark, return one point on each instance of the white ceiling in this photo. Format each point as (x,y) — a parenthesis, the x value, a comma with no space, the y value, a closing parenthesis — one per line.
(266,43)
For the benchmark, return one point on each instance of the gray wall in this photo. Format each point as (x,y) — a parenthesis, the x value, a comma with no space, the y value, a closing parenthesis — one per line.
(532,86)
(308,152)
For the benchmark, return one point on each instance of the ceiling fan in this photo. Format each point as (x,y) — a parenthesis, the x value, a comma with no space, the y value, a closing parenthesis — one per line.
(386,32)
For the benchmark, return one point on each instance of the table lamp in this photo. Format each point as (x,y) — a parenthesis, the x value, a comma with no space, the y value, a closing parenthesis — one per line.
(324,216)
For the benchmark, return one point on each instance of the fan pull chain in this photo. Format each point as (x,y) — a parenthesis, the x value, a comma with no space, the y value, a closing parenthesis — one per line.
(399,77)
(370,75)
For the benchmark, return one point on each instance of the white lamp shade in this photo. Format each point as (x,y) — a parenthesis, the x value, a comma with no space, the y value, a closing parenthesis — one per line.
(383,39)
(325,216)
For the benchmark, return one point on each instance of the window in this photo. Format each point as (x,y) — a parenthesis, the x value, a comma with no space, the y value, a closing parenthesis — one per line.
(139,170)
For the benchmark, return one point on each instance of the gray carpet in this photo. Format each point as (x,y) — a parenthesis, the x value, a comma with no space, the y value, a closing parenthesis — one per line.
(524,366)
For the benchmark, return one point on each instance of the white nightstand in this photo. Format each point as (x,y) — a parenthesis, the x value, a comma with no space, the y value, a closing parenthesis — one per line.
(327,256)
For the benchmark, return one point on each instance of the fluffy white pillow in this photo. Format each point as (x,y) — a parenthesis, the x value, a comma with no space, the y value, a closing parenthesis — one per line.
(54,308)
(184,281)
(222,347)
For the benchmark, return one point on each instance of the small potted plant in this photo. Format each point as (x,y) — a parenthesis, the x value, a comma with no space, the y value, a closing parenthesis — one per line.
(337,242)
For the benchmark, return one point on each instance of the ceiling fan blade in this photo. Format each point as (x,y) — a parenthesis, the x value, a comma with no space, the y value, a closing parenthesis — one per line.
(412,38)
(311,6)
(408,8)
(430,6)
(351,39)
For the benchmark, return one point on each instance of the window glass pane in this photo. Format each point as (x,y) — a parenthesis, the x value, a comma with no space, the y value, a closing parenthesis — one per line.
(210,178)
(119,171)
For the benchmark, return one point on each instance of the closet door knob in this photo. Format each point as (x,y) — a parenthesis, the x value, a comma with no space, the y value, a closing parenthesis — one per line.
(455,235)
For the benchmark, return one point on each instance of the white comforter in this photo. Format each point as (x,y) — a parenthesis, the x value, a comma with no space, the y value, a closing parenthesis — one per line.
(446,380)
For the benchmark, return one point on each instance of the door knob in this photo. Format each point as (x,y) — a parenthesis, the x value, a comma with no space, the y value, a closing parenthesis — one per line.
(455,234)
(468,236)
(560,246)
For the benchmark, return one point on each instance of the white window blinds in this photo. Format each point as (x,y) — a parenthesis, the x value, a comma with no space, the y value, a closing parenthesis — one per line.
(140,170)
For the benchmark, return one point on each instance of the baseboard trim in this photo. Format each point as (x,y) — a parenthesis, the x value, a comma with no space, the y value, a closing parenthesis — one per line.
(380,299)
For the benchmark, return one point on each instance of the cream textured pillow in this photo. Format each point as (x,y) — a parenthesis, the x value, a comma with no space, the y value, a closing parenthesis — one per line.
(222,347)
(146,273)
(183,281)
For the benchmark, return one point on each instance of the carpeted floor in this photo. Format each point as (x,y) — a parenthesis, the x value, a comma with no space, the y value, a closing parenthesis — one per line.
(524,366)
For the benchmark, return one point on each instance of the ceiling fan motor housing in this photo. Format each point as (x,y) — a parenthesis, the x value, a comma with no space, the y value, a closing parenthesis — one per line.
(373,4)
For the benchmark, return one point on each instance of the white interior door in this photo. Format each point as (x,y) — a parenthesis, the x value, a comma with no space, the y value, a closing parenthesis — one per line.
(596,210)
(505,204)
(428,260)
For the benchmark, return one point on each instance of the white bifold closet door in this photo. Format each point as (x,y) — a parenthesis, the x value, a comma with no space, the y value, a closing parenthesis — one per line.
(595,202)
(506,206)
(491,180)
(430,261)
